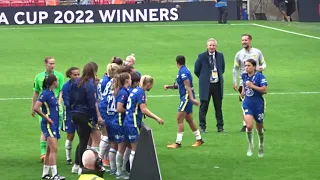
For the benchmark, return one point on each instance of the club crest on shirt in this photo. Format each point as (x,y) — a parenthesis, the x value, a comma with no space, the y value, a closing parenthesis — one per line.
(249,92)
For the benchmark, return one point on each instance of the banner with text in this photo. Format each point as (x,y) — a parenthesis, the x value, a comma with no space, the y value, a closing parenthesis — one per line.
(309,11)
(196,11)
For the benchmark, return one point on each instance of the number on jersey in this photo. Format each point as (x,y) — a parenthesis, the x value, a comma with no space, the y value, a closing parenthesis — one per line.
(111,108)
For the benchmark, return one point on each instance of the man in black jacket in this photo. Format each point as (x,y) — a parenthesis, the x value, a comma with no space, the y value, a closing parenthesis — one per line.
(209,68)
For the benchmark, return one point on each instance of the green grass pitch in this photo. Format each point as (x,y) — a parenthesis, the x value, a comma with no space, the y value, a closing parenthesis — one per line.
(292,116)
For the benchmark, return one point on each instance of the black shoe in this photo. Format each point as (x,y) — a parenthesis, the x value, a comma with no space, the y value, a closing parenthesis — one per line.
(243,129)
(46,177)
(221,130)
(69,162)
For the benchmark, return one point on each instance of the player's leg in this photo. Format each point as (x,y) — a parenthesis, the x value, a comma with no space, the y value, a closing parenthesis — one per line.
(189,118)
(180,117)
(195,130)
(243,129)
(113,150)
(70,129)
(119,157)
(46,160)
(259,117)
(132,134)
(95,137)
(248,117)
(126,156)
(43,144)
(103,146)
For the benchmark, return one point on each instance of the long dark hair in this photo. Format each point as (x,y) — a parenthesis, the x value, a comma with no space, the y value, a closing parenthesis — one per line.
(117,60)
(48,81)
(88,73)
(253,62)
(119,81)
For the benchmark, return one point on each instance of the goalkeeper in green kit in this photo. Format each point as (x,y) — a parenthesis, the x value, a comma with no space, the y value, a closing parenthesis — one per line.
(37,88)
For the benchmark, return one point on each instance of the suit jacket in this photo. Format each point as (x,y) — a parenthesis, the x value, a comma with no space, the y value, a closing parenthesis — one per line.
(202,70)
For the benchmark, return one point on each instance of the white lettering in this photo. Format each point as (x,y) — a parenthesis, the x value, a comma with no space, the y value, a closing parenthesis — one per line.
(42,16)
(28,17)
(140,15)
(68,20)
(58,20)
(118,15)
(3,18)
(174,14)
(106,15)
(80,14)
(126,15)
(164,14)
(16,18)
(153,15)
(89,18)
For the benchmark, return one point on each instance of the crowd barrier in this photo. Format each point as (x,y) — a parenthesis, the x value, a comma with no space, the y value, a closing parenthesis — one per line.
(114,13)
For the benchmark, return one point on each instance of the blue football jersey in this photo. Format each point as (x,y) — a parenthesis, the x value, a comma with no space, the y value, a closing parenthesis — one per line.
(107,104)
(103,83)
(184,74)
(121,97)
(257,79)
(133,113)
(50,106)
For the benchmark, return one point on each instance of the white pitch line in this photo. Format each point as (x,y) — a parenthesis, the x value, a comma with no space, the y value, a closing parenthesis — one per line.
(85,26)
(174,95)
(289,32)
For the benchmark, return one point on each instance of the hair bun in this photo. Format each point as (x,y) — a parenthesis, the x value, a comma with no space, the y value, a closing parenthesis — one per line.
(132,55)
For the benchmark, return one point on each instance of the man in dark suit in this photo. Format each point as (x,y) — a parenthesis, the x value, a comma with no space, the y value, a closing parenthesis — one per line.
(209,68)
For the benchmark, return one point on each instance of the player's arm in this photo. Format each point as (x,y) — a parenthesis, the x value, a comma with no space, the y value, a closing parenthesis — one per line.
(91,99)
(170,87)
(148,113)
(262,62)
(145,110)
(36,108)
(186,83)
(235,72)
(34,98)
(262,88)
(36,90)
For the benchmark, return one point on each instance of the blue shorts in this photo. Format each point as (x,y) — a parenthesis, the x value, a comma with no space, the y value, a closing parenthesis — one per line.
(131,134)
(256,111)
(50,130)
(116,133)
(185,106)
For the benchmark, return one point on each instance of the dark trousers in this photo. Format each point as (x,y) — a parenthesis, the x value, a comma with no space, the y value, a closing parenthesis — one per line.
(83,130)
(223,14)
(215,92)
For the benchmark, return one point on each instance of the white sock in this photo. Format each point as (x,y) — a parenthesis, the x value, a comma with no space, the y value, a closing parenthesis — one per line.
(95,148)
(179,137)
(126,156)
(132,158)
(104,142)
(250,139)
(112,159)
(261,137)
(45,170)
(244,123)
(197,134)
(54,170)
(119,161)
(68,146)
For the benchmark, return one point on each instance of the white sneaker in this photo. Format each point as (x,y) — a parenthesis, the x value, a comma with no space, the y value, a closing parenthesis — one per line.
(75,169)
(261,151)
(250,150)
(80,171)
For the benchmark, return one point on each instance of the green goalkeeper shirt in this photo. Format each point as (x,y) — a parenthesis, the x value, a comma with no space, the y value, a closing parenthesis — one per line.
(38,82)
